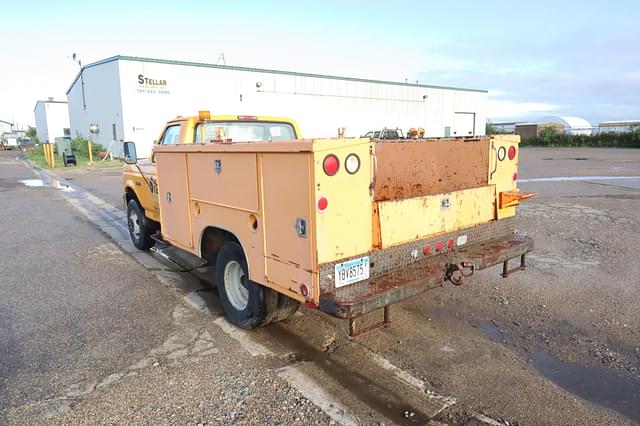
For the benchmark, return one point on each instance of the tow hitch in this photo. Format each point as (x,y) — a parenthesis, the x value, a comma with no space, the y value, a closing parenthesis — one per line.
(457,272)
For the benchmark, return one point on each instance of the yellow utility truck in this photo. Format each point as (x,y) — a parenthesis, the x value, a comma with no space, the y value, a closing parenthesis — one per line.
(347,226)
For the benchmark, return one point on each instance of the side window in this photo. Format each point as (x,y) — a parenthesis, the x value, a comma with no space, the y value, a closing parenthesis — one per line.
(197,137)
(171,135)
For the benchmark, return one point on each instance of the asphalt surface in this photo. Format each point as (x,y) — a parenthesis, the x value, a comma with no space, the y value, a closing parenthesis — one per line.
(88,335)
(558,344)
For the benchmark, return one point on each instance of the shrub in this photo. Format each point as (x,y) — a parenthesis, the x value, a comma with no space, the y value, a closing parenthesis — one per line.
(81,148)
(549,137)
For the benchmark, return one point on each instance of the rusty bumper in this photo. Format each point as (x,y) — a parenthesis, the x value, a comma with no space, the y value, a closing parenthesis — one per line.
(360,298)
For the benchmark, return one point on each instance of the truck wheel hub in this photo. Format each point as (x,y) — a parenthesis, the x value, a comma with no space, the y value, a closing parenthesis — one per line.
(234,278)
(134,224)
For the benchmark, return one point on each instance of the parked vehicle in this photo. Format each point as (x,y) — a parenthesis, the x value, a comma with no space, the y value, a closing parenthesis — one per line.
(346,226)
(385,134)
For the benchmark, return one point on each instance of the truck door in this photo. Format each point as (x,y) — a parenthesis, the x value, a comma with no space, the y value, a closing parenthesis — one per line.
(173,195)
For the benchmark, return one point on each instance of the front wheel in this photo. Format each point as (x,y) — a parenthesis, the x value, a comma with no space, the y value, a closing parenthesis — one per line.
(140,228)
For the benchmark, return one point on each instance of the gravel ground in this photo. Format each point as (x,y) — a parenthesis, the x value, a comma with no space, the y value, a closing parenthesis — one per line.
(557,344)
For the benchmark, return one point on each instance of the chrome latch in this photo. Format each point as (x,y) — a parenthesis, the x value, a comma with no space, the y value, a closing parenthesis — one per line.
(301,227)
(445,203)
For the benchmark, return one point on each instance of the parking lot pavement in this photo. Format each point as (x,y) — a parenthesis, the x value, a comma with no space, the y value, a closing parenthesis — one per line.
(546,162)
(105,183)
(87,335)
(557,344)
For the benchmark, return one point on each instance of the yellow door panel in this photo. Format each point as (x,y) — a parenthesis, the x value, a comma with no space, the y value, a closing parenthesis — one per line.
(415,218)
(174,199)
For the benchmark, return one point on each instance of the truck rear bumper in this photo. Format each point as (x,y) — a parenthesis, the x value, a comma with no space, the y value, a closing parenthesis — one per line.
(360,298)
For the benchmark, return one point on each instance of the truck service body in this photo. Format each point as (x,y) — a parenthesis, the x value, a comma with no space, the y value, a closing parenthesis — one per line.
(348,226)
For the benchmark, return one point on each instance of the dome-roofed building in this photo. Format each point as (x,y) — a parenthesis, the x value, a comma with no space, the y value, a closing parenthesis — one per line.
(571,125)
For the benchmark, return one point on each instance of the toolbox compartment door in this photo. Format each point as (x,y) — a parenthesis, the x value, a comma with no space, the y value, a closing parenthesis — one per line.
(415,218)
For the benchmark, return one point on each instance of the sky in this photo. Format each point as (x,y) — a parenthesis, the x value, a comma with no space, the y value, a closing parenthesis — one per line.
(535,58)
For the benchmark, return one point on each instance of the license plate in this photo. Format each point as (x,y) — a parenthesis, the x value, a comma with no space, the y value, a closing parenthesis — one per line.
(352,271)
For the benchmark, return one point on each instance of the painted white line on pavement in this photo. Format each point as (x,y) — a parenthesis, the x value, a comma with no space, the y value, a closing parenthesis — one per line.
(242,337)
(577,178)
(314,393)
(410,380)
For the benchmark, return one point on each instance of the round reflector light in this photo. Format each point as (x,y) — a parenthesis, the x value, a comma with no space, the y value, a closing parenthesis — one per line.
(323,203)
(502,153)
(352,163)
(450,243)
(512,152)
(439,246)
(330,165)
(427,250)
(304,290)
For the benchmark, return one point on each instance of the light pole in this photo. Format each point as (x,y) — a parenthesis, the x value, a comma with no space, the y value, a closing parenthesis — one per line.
(84,103)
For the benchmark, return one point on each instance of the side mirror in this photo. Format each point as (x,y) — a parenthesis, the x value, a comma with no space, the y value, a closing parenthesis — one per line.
(130,156)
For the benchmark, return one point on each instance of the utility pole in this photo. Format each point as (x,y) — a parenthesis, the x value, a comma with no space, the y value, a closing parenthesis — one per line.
(84,102)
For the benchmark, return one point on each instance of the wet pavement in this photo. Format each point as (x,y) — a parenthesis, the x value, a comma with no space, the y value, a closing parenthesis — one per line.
(558,344)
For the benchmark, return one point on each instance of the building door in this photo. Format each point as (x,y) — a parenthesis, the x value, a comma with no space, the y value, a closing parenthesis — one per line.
(464,124)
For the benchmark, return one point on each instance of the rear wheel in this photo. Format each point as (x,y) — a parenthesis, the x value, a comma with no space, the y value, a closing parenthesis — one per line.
(140,228)
(247,304)
(243,300)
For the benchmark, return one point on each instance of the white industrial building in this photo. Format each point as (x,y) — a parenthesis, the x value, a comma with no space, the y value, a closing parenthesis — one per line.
(52,120)
(131,98)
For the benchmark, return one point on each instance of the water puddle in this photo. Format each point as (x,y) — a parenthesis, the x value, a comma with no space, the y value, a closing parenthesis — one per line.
(617,390)
(39,183)
(493,332)
(32,183)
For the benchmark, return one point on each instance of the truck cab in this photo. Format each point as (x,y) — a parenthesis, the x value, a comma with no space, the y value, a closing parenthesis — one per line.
(140,180)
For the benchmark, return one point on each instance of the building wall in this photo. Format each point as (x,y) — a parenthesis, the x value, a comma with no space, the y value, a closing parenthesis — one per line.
(320,105)
(52,117)
(103,106)
(40,114)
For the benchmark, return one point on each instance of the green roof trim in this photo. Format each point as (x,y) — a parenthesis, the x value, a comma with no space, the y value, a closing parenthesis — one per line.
(263,70)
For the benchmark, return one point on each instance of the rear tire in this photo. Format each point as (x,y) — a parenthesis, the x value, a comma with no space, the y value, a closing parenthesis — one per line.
(140,228)
(243,300)
(279,306)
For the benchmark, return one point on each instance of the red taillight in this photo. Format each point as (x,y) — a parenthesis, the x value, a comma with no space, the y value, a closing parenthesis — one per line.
(515,177)
(330,165)
(323,203)
(512,152)
(427,250)
(439,246)
(450,243)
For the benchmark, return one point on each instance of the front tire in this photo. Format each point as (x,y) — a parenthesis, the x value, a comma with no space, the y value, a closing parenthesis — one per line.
(140,228)
(243,300)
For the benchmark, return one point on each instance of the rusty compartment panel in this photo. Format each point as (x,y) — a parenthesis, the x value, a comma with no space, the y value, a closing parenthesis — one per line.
(367,296)
(407,169)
